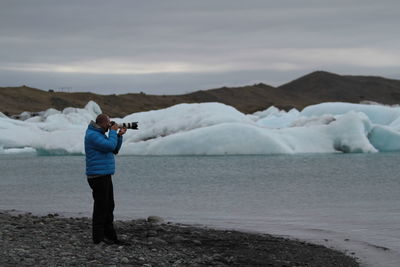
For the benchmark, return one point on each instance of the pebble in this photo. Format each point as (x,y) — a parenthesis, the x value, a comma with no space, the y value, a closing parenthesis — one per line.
(151,233)
(155,219)
(197,242)
(158,241)
(178,238)
(124,260)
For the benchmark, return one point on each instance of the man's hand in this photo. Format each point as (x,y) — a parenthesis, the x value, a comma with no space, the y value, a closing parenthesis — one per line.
(122,131)
(114,126)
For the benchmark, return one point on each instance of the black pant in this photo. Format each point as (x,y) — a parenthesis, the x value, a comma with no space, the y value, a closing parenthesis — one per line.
(103,208)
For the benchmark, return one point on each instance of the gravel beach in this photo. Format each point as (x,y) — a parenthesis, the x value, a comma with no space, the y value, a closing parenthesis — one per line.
(52,240)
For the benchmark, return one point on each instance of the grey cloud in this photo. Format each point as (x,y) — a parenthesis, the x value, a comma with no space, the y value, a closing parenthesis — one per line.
(198,32)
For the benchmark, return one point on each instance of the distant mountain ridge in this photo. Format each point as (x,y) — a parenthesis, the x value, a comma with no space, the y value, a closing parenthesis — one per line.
(313,88)
(323,86)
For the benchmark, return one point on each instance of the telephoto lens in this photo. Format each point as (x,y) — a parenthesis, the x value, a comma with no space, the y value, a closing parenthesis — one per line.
(128,125)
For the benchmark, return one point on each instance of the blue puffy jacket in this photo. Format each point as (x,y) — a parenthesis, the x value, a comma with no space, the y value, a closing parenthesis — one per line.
(100,150)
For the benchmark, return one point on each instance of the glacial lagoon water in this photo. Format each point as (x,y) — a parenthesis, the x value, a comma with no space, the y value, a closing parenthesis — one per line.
(347,201)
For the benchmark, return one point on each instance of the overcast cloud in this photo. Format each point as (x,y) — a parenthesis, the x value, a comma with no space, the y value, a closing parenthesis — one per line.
(173,47)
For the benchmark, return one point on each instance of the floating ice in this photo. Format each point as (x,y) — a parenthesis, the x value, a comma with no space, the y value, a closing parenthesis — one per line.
(347,134)
(384,138)
(51,131)
(181,118)
(214,129)
(275,118)
(378,114)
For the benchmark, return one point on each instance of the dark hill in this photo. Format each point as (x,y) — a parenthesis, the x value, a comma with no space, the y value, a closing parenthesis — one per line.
(313,88)
(323,86)
(248,99)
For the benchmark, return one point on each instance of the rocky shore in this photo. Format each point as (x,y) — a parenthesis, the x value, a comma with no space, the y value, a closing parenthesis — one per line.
(52,240)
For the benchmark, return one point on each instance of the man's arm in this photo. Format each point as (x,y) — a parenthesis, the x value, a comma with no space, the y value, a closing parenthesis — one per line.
(104,144)
(119,141)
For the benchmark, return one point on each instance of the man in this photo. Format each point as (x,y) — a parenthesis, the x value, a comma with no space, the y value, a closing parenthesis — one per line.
(100,165)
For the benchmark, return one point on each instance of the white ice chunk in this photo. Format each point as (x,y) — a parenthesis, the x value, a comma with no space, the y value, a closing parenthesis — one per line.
(311,121)
(23,150)
(384,138)
(181,118)
(347,134)
(378,114)
(275,118)
(51,111)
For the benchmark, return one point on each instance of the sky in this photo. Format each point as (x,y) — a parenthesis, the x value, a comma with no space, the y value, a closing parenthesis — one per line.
(180,46)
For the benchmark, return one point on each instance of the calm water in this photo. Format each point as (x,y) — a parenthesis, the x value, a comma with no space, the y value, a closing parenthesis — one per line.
(326,199)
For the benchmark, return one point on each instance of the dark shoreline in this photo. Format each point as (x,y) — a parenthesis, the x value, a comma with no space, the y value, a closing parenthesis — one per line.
(51,240)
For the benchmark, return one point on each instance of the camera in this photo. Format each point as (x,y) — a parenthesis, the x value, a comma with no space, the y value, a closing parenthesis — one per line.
(127,125)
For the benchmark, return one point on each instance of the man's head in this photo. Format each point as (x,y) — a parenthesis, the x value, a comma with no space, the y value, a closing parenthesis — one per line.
(103,121)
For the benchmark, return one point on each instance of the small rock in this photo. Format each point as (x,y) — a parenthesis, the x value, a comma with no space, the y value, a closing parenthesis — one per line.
(178,262)
(151,233)
(154,219)
(30,261)
(65,254)
(178,238)
(97,256)
(158,241)
(197,242)
(124,260)
(217,257)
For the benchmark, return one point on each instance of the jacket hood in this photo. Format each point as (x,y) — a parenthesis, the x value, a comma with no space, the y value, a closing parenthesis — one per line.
(94,126)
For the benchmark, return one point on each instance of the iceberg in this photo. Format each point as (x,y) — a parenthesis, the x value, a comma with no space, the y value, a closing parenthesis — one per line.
(214,129)
(378,114)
